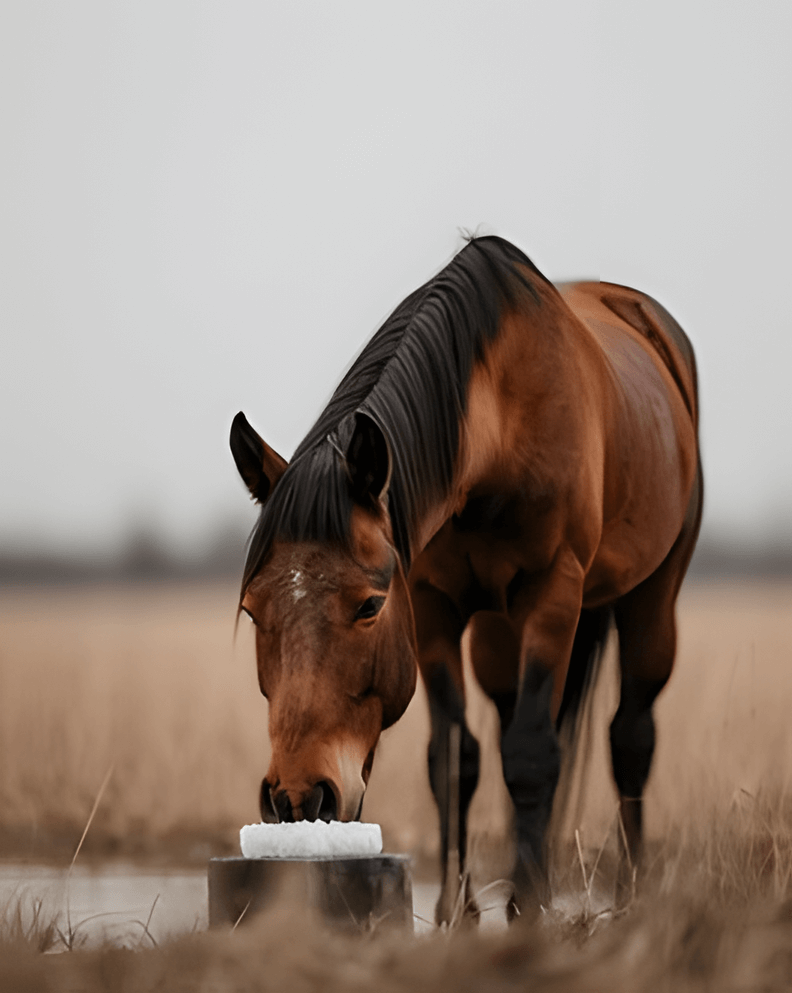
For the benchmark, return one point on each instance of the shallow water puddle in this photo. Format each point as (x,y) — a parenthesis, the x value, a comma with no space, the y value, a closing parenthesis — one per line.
(128,905)
(120,903)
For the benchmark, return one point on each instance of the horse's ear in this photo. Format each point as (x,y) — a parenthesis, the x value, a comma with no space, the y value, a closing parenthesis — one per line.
(259,465)
(368,461)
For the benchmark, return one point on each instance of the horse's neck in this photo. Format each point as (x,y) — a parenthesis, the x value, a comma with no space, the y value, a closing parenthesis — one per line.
(525,385)
(522,383)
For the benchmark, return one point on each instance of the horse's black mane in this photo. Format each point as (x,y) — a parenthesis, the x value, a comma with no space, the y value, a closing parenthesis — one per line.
(411,379)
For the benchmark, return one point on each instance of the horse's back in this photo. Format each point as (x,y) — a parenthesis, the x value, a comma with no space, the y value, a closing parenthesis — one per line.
(622,306)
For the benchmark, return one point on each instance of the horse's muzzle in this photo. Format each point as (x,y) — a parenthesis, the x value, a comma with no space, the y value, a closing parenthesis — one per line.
(285,806)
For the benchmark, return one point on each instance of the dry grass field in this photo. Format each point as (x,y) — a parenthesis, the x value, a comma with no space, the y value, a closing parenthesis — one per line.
(152,683)
(149,682)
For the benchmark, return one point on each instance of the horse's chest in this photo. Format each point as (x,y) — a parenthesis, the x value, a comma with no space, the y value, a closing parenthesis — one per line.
(477,553)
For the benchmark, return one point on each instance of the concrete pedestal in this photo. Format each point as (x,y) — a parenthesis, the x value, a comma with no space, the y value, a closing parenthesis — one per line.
(349,892)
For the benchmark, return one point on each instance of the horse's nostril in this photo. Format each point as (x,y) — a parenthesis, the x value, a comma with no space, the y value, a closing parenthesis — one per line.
(312,804)
(328,808)
(320,804)
(269,815)
(283,807)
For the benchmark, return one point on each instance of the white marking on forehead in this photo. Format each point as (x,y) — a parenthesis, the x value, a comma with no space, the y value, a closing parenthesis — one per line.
(298,590)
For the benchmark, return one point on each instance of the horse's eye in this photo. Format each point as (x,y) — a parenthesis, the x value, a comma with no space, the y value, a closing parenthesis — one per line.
(369,608)
(248,614)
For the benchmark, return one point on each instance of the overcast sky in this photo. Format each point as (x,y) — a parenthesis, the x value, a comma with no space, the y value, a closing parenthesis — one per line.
(208,207)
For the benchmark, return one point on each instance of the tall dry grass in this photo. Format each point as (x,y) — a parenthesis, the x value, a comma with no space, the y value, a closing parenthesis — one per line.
(724,735)
(151,682)
(143,680)
(680,939)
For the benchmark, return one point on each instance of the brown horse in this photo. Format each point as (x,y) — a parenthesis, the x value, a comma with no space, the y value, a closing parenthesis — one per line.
(507,460)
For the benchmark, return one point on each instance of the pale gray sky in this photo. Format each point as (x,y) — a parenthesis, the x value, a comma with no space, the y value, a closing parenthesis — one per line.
(207,207)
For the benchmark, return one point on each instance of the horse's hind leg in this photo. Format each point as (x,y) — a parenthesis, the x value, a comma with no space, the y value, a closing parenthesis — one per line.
(453,751)
(647,644)
(646,622)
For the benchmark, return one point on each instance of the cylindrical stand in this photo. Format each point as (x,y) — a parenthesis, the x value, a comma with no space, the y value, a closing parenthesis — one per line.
(350,892)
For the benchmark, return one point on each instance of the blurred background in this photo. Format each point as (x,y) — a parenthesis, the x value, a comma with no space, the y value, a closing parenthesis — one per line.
(208,207)
(211,207)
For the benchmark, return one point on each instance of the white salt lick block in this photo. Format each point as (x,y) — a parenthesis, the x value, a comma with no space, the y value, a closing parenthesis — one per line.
(310,840)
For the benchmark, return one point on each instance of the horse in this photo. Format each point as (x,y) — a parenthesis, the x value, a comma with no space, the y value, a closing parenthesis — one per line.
(509,465)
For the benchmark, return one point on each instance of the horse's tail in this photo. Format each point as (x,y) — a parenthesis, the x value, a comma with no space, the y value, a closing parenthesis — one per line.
(590,639)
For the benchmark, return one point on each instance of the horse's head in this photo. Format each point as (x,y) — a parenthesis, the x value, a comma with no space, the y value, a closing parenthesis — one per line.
(335,642)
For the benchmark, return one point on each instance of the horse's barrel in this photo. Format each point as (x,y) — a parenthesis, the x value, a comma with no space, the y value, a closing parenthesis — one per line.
(353,893)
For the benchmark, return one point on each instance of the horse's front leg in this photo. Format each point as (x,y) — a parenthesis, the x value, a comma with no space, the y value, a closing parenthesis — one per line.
(529,744)
(453,751)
